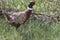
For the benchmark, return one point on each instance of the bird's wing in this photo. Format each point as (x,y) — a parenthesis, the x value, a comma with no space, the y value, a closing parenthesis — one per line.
(21,18)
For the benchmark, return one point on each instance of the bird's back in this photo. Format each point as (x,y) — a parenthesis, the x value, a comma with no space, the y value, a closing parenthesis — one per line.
(19,17)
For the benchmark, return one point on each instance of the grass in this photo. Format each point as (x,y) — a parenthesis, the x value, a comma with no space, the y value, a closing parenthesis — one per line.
(32,29)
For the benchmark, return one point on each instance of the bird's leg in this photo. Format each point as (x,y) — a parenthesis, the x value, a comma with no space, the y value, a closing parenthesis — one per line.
(17,26)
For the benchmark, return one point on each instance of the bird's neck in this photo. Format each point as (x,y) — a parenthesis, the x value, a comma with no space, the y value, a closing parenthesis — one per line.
(28,12)
(28,8)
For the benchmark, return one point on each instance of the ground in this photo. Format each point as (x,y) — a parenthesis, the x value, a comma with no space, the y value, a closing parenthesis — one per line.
(33,29)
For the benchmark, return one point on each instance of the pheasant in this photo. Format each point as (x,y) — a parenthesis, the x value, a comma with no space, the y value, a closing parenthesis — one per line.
(19,17)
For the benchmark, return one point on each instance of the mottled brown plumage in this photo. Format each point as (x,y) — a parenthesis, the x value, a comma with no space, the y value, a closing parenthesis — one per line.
(18,18)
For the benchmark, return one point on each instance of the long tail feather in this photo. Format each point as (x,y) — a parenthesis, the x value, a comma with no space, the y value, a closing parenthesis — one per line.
(6,15)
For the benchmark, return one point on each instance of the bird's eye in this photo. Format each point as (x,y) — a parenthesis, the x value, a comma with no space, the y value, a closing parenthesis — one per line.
(32,3)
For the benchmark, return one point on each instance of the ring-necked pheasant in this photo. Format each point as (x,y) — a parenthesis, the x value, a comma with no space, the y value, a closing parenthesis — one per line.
(18,18)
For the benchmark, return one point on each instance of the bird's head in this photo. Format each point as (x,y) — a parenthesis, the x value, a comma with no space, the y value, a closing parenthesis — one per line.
(31,4)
